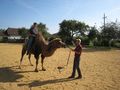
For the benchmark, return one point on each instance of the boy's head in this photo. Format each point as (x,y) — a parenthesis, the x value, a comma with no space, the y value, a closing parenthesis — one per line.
(78,41)
(34,24)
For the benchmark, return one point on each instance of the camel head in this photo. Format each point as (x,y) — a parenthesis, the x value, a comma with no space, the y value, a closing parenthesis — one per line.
(57,42)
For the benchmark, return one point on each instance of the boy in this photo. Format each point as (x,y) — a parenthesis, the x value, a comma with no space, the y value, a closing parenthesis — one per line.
(78,51)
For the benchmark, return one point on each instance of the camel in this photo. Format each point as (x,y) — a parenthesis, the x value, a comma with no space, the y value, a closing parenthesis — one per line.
(43,48)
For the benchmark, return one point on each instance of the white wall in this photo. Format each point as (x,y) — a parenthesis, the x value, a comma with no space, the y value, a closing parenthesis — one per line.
(14,37)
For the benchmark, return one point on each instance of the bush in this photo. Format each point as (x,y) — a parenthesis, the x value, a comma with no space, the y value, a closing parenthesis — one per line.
(69,41)
(1,39)
(85,41)
(97,43)
(5,39)
(105,42)
(117,45)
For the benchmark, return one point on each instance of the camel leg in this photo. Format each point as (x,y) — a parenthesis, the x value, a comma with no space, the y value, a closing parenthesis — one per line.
(21,61)
(22,55)
(37,58)
(42,61)
(29,56)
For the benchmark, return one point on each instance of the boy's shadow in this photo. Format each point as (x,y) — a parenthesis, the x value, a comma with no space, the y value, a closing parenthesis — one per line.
(41,83)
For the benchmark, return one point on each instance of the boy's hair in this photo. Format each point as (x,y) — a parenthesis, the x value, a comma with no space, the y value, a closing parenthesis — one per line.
(34,23)
(79,40)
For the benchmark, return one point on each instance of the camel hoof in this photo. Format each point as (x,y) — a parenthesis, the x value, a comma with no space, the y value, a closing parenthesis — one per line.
(19,67)
(43,69)
(36,70)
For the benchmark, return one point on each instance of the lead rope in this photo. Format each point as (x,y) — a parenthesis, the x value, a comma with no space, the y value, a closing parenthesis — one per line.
(60,68)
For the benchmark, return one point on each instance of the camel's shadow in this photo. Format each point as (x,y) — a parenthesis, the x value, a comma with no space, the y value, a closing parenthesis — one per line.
(9,75)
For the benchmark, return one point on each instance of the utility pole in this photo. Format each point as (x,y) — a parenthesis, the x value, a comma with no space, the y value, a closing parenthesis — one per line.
(116,20)
(104,17)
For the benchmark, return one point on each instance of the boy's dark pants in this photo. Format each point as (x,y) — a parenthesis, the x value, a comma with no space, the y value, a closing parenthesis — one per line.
(76,67)
(30,43)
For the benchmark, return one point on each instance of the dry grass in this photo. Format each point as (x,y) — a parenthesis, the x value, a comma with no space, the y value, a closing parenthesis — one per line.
(100,69)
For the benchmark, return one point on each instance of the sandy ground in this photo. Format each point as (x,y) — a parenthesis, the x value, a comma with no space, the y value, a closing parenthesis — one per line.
(100,69)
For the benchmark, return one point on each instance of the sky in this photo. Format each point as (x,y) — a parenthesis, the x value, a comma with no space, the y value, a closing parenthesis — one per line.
(22,13)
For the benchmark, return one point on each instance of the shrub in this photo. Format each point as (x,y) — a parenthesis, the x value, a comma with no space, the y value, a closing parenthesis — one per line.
(117,45)
(5,39)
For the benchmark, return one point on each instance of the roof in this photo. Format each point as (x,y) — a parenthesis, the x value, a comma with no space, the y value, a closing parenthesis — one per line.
(12,32)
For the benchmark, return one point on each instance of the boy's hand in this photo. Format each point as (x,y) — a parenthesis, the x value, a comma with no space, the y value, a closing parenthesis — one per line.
(71,49)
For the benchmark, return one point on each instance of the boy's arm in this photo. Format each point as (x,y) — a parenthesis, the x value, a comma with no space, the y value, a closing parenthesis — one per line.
(35,31)
(75,51)
(71,49)
(80,51)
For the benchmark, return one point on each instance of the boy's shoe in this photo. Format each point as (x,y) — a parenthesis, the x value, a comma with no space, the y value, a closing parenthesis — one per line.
(27,53)
(79,77)
(71,77)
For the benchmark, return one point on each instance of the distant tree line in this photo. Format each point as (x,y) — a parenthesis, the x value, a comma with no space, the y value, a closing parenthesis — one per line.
(22,32)
(91,36)
(69,30)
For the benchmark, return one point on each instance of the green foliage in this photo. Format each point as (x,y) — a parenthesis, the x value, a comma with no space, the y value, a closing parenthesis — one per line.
(115,43)
(5,39)
(23,32)
(2,29)
(1,39)
(97,42)
(70,29)
(118,34)
(91,44)
(43,29)
(111,31)
(93,33)
(53,36)
(85,40)
(93,36)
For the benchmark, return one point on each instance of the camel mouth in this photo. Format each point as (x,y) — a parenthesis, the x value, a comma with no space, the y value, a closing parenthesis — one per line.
(64,46)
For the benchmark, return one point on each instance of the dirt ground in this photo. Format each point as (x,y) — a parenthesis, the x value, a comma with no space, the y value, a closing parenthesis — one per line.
(100,69)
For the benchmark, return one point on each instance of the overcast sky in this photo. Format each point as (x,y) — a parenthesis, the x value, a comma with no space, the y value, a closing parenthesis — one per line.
(22,13)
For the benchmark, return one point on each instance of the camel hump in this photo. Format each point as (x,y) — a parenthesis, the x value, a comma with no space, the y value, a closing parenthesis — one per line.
(58,39)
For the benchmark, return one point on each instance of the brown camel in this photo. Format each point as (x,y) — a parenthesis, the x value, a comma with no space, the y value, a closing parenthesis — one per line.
(41,46)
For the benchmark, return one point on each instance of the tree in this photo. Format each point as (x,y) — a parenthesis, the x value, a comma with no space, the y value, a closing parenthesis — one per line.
(93,36)
(2,29)
(118,34)
(23,32)
(71,28)
(43,29)
(110,32)
(93,33)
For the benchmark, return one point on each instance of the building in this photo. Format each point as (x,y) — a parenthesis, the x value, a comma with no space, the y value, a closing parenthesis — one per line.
(12,34)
